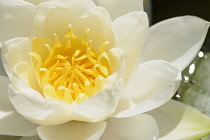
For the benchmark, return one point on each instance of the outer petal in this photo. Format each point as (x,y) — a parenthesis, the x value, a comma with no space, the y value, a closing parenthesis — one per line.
(118,8)
(179,121)
(153,84)
(141,127)
(73,131)
(131,31)
(16,18)
(176,40)
(12,123)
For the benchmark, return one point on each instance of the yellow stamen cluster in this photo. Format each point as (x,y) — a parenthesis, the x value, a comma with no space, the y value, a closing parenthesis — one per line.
(73,70)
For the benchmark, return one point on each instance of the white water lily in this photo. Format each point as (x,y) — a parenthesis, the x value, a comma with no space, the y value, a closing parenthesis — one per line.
(73,73)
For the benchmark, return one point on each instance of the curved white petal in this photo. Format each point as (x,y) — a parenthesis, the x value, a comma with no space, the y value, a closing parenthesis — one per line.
(26,72)
(15,56)
(72,130)
(117,8)
(78,7)
(36,2)
(35,108)
(55,16)
(14,51)
(176,40)
(100,106)
(16,19)
(140,127)
(131,31)
(12,123)
(98,21)
(152,85)
(179,121)
(56,19)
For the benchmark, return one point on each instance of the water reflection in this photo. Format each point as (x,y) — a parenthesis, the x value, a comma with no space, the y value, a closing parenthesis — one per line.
(188,73)
(191,68)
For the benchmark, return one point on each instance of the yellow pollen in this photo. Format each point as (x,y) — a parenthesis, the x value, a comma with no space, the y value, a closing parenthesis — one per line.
(73,70)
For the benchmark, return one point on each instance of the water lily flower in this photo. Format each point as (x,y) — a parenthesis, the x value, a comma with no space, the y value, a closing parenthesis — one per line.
(83,69)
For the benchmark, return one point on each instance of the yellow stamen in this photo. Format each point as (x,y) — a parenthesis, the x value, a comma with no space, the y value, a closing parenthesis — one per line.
(73,70)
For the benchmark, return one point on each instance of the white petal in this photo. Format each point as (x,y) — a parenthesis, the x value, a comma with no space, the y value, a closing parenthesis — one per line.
(118,8)
(14,51)
(54,17)
(179,121)
(131,31)
(16,59)
(35,108)
(36,2)
(176,40)
(26,72)
(72,130)
(100,106)
(78,7)
(12,123)
(153,84)
(141,127)
(98,21)
(16,19)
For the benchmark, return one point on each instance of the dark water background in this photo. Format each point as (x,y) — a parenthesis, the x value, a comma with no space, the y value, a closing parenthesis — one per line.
(164,9)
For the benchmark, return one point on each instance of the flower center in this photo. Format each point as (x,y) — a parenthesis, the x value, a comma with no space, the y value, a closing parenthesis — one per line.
(73,70)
